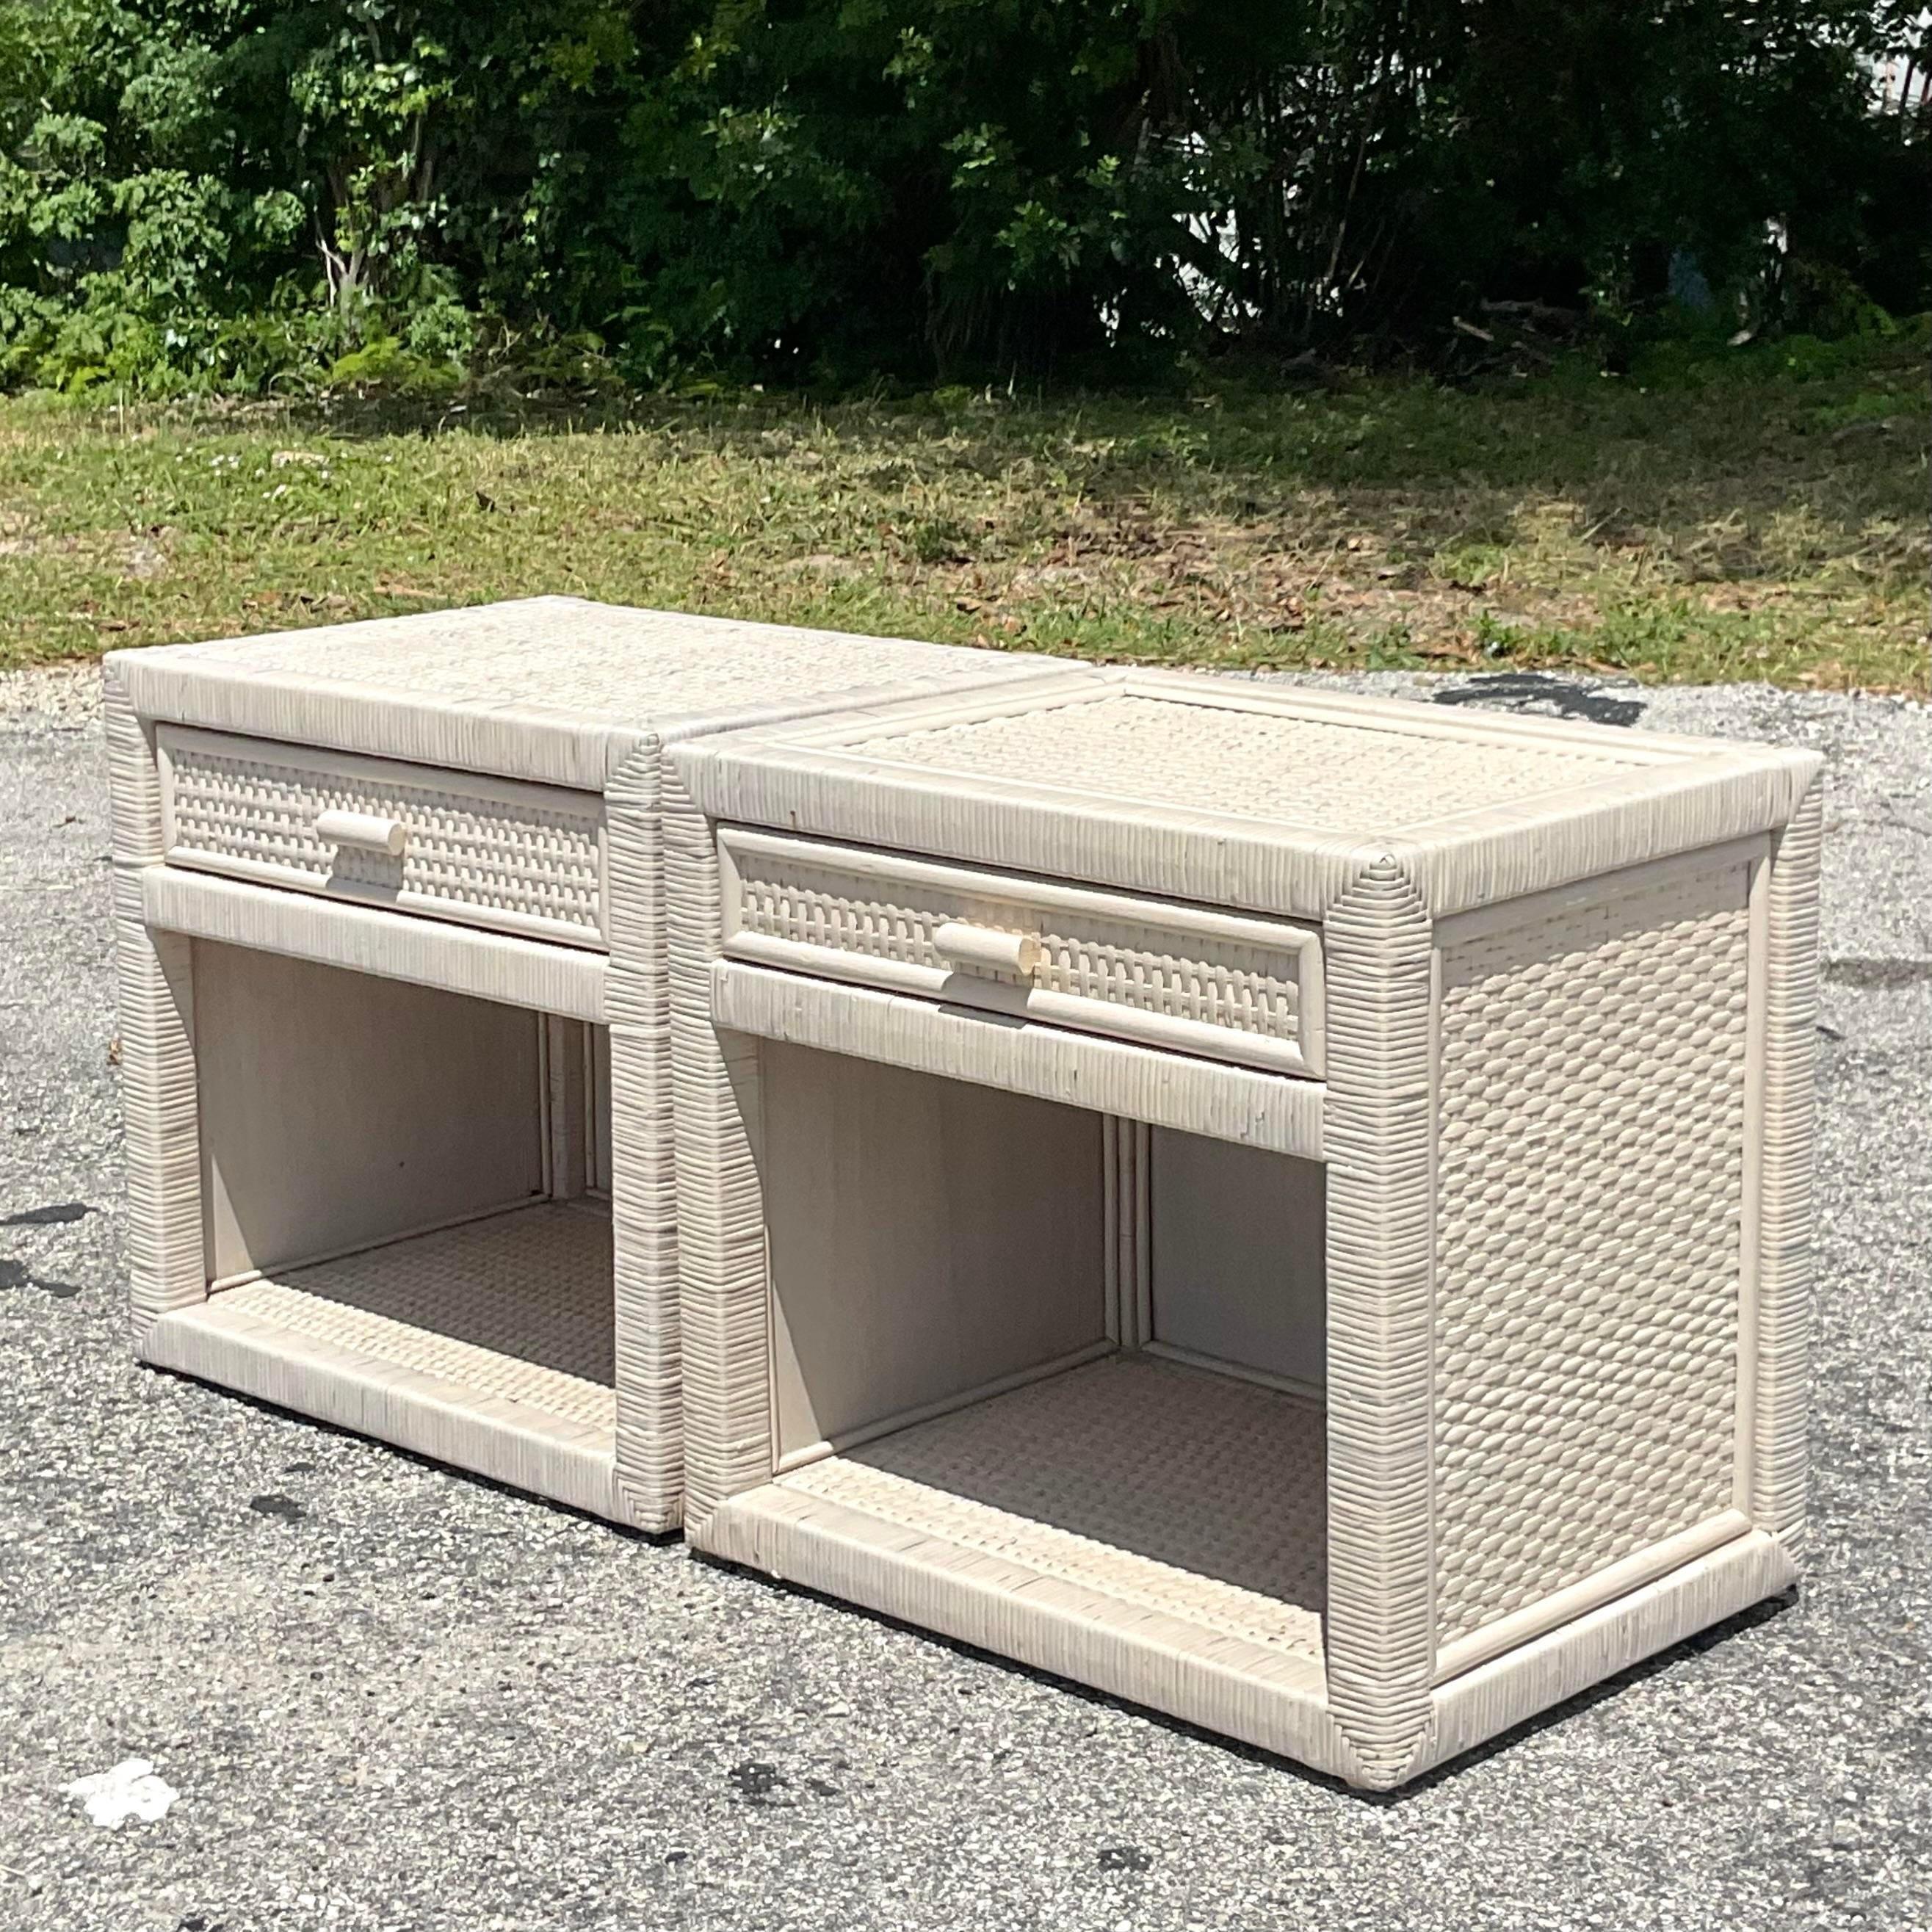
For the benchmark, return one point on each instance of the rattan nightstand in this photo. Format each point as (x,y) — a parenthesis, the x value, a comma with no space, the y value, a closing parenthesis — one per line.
(394,1014)
(1293,1209)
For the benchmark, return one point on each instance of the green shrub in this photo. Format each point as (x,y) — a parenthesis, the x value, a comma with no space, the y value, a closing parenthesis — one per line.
(239,193)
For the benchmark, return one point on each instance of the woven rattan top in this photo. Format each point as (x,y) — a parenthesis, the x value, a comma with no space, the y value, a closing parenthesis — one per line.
(1243,794)
(1320,774)
(544,665)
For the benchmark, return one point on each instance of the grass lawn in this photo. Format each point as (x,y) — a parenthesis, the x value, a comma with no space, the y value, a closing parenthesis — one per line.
(1763,517)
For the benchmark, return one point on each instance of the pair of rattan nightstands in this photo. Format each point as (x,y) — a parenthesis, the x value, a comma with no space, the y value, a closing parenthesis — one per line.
(1291,1209)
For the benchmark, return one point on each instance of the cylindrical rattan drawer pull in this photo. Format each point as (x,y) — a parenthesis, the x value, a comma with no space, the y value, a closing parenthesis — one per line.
(980,948)
(363,830)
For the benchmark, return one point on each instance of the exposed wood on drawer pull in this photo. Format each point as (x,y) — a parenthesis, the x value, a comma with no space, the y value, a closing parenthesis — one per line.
(364,830)
(984,949)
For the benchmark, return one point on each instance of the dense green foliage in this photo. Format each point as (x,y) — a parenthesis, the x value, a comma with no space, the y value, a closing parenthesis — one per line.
(242,193)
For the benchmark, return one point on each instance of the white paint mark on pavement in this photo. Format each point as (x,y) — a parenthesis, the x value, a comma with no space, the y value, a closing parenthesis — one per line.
(130,1790)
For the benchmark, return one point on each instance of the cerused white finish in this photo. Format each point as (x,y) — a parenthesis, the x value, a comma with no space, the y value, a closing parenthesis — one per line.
(337,1109)
(1358,1416)
(346,1180)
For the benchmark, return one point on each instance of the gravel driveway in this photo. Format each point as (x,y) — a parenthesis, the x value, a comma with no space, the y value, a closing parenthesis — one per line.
(389,1696)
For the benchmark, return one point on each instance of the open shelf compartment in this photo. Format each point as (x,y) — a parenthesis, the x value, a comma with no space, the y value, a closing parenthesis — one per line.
(1040,1380)
(1128,1490)
(406,1229)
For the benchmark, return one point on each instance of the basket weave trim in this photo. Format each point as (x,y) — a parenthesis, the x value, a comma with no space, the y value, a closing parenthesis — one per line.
(807,901)
(534,856)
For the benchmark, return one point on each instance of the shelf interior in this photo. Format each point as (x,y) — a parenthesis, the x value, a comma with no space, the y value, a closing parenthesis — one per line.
(488,1345)
(1158,1488)
(515,1306)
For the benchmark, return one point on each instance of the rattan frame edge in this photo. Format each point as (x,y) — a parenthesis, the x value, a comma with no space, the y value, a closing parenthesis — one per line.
(154,996)
(405,1408)
(804,783)
(1496,1697)
(1238,1689)
(1787,1114)
(1379,1135)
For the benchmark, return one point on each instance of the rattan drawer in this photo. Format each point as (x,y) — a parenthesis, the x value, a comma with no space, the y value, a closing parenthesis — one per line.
(1158,972)
(519,858)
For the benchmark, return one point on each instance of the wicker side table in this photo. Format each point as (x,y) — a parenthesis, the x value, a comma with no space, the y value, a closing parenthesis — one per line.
(1293,1210)
(394,1014)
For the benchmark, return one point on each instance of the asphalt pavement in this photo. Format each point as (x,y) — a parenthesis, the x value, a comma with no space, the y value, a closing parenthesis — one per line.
(384,1696)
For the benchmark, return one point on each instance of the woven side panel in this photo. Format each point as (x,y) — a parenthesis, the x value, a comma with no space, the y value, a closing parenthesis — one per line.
(157,1075)
(532,855)
(1591,1165)
(1381,1653)
(649,1452)
(723,1301)
(1225,982)
(1785,1235)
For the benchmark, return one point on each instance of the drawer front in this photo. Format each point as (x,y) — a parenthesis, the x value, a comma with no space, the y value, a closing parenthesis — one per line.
(1159,973)
(519,858)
